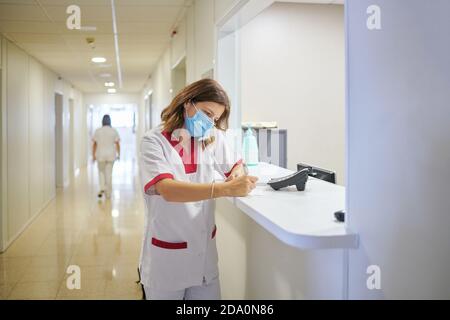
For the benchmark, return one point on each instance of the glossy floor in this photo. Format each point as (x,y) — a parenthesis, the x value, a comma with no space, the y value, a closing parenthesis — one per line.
(102,237)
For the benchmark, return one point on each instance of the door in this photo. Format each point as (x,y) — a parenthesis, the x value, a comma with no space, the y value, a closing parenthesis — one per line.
(59,141)
(72,146)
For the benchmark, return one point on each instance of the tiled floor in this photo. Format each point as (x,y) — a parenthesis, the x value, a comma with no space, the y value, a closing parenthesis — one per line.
(102,237)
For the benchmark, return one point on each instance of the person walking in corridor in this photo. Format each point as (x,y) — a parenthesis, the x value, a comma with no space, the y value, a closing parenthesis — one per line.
(178,165)
(106,147)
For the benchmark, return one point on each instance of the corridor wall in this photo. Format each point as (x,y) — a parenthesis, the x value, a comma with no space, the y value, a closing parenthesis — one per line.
(293,72)
(28,138)
(196,41)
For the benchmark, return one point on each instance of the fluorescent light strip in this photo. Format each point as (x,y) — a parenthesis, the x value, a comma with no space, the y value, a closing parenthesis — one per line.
(116,43)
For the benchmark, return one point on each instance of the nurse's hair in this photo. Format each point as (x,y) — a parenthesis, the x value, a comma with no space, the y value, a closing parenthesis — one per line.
(205,90)
(106,121)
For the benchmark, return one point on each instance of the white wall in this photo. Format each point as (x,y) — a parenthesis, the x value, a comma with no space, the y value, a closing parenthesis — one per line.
(312,82)
(160,85)
(178,44)
(222,7)
(204,32)
(78,147)
(292,68)
(3,148)
(399,149)
(18,197)
(196,40)
(28,138)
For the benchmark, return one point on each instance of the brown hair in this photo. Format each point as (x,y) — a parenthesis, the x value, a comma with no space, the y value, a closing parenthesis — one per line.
(205,90)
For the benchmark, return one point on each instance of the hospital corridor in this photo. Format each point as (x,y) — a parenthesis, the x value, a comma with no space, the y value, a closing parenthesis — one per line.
(257,150)
(75,228)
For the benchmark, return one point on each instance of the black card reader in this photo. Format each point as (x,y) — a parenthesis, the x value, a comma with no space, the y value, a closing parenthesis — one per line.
(298,179)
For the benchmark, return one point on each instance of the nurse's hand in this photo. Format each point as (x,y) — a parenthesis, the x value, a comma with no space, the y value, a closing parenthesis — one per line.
(231,177)
(237,172)
(241,186)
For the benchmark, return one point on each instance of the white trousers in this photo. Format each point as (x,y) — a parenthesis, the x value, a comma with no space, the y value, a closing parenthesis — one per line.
(207,291)
(105,176)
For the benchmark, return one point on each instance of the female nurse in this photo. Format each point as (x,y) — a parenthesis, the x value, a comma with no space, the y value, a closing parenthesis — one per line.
(179,161)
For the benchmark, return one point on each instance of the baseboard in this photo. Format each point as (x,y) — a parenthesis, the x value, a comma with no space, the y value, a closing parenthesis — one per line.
(26,225)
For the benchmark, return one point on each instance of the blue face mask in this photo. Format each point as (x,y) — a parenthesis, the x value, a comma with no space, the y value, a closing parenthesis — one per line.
(199,124)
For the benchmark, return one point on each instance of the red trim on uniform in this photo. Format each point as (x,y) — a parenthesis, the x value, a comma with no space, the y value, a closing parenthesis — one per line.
(234,166)
(214,232)
(159,177)
(169,245)
(191,166)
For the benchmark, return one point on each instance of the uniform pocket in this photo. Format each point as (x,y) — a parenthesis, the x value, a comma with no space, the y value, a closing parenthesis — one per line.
(213,233)
(169,245)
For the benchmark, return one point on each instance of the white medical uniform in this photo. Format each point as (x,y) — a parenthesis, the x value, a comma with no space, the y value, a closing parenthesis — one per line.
(179,254)
(106,137)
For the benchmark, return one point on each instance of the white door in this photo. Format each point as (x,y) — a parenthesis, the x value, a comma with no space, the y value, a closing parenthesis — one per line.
(59,140)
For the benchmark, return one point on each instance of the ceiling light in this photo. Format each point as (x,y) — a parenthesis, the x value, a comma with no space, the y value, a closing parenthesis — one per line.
(98,59)
(112,90)
(109,84)
(104,75)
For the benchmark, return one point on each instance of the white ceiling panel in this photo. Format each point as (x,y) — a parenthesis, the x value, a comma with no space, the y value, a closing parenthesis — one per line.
(37,38)
(143,39)
(102,28)
(30,27)
(18,2)
(150,2)
(66,3)
(9,12)
(88,13)
(147,13)
(144,26)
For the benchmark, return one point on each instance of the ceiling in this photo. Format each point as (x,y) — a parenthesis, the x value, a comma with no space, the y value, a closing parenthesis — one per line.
(144,28)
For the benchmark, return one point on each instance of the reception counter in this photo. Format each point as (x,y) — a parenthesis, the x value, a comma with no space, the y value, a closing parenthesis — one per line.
(267,241)
(305,219)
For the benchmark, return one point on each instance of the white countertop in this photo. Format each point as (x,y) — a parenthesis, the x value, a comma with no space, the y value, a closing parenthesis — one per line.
(302,219)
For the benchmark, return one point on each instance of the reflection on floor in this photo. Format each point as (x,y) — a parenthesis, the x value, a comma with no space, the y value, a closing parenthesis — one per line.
(102,237)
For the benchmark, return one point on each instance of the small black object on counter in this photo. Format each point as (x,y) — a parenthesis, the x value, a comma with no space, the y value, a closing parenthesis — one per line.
(340,215)
(298,179)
